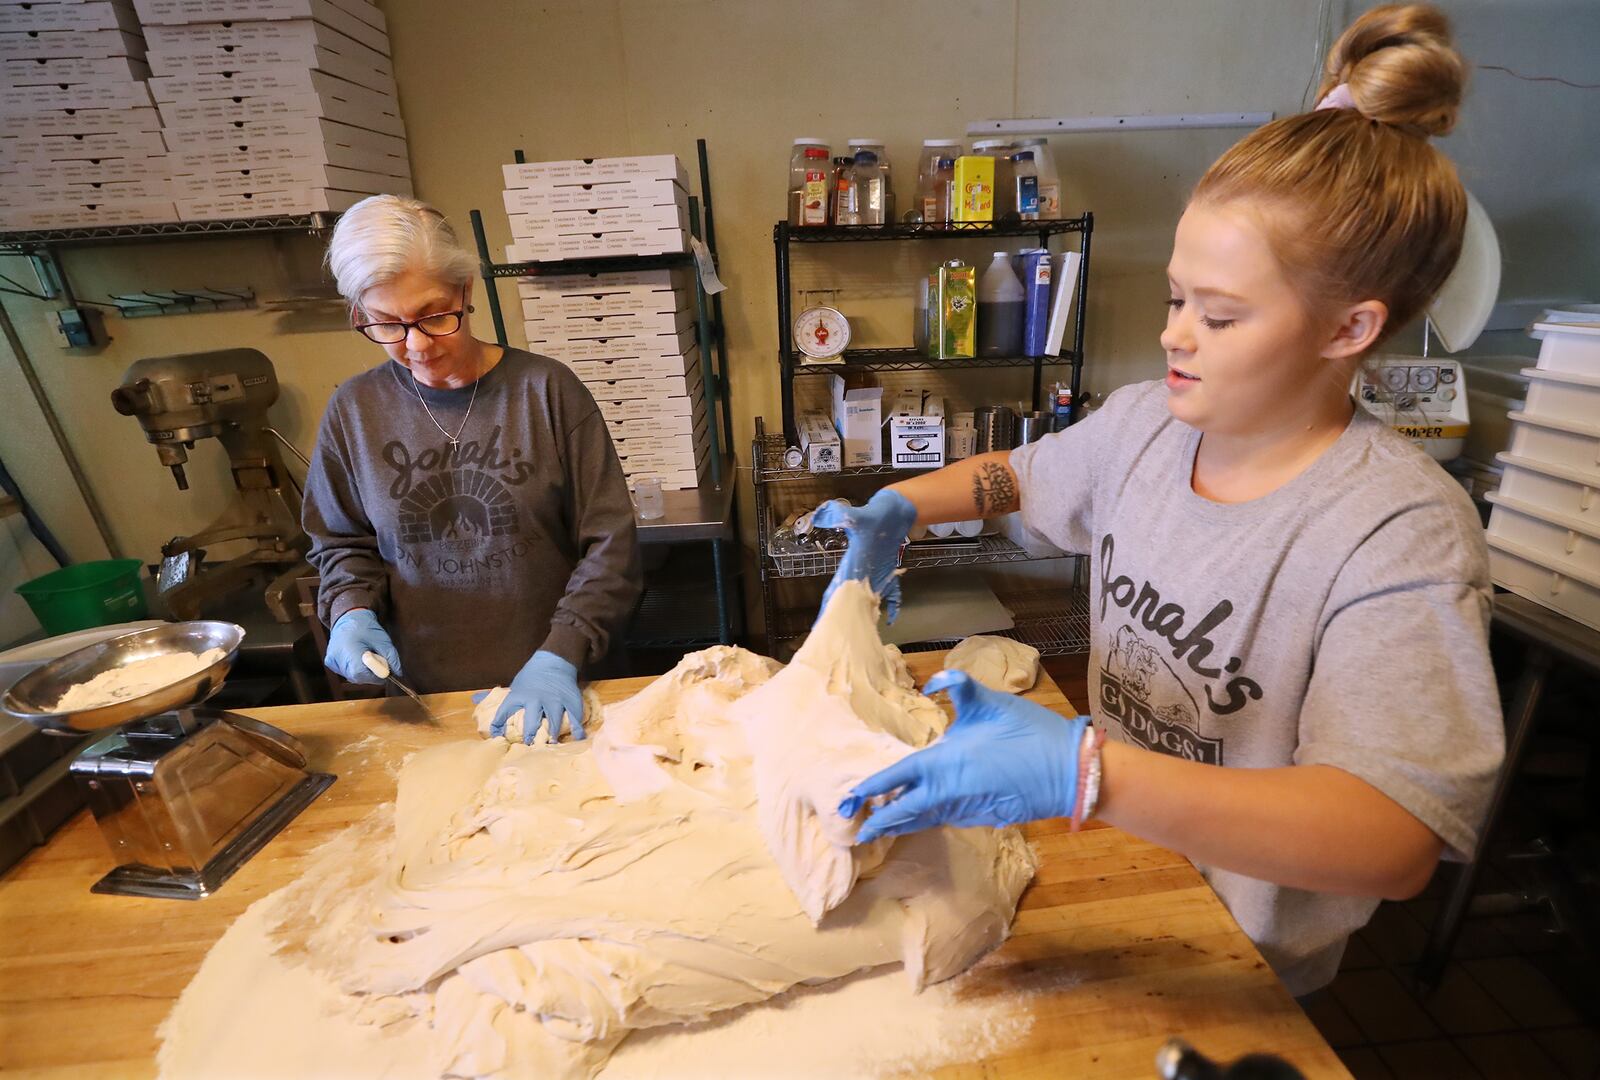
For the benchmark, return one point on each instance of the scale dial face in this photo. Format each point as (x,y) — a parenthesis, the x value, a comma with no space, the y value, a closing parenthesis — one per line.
(821,333)
(1424,379)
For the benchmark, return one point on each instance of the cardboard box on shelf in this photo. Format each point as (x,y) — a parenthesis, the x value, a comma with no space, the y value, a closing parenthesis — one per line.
(15,195)
(304,136)
(590,305)
(44,71)
(274,79)
(319,47)
(647,409)
(596,245)
(80,43)
(278,177)
(258,204)
(90,216)
(687,385)
(102,170)
(916,442)
(335,100)
(642,346)
(592,170)
(288,153)
(674,425)
(634,281)
(42,149)
(819,441)
(546,198)
(33,100)
(627,367)
(48,18)
(79,121)
(858,414)
(355,18)
(577,327)
(573,222)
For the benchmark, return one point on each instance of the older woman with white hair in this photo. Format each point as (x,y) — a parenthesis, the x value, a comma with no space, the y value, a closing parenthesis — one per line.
(465,505)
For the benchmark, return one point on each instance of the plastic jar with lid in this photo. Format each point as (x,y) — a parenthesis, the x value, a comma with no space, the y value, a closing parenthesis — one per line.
(1049,180)
(933,151)
(1005,195)
(809,175)
(886,181)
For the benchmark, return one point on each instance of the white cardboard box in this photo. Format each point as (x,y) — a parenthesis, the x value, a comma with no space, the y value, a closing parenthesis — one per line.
(40,149)
(647,409)
(32,100)
(576,327)
(592,245)
(42,71)
(84,43)
(687,385)
(545,198)
(79,121)
(858,414)
(106,170)
(310,135)
(635,367)
(279,177)
(275,80)
(345,103)
(77,217)
(916,442)
(288,153)
(47,17)
(555,223)
(16,196)
(621,346)
(589,305)
(255,204)
(820,442)
(591,170)
(355,18)
(674,425)
(636,281)
(215,47)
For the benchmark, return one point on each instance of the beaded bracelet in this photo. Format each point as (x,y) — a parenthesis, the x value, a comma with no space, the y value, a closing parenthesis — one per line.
(1088,776)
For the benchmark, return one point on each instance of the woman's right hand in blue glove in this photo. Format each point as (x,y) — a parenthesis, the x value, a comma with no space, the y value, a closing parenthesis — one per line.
(355,633)
(876,532)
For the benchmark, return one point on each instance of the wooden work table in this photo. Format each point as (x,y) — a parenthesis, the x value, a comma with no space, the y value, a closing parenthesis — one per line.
(1118,943)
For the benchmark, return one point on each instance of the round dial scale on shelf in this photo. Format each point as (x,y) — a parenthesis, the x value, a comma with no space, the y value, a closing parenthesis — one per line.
(821,333)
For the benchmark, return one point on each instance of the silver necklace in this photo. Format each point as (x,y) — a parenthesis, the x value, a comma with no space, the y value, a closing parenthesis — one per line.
(455,440)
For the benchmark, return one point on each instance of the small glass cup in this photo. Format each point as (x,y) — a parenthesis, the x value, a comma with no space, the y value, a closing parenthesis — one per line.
(647,498)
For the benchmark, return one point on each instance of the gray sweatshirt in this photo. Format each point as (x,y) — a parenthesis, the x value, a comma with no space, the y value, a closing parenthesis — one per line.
(522,538)
(1340,620)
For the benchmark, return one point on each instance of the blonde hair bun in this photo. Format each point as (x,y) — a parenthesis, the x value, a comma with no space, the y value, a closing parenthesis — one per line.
(1401,68)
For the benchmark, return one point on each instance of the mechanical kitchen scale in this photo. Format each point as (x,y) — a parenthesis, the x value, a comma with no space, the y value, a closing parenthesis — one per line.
(183,794)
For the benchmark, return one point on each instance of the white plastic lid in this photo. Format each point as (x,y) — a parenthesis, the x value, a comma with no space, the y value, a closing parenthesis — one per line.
(1030,142)
(1002,255)
(941,142)
(865,142)
(988,144)
(811,142)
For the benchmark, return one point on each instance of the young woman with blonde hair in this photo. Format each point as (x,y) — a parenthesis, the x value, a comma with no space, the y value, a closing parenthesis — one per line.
(1289,602)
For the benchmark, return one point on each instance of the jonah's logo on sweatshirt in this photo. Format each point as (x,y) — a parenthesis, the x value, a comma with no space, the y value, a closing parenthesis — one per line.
(463,505)
(1140,691)
(1166,620)
(470,457)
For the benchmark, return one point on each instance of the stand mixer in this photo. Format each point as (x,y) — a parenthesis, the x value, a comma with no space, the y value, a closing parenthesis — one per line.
(183,794)
(222,395)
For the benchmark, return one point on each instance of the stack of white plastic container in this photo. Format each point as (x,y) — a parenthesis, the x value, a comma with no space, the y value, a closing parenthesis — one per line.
(631,336)
(274,106)
(1544,532)
(79,134)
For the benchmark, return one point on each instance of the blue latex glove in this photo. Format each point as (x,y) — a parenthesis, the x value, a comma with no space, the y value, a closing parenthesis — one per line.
(546,687)
(876,532)
(1004,761)
(355,632)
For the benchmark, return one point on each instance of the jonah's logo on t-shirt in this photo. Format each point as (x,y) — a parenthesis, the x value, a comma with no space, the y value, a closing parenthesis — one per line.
(1140,691)
(1193,646)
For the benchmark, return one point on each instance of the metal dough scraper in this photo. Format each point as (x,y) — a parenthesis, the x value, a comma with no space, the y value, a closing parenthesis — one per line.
(380,667)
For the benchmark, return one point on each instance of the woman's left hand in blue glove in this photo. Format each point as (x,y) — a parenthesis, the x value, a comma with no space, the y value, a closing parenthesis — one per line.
(1004,760)
(545,688)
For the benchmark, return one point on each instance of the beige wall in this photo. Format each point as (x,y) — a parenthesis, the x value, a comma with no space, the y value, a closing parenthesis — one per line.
(480,78)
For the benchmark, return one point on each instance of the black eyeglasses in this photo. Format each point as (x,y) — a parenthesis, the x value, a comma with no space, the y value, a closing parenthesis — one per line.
(442,324)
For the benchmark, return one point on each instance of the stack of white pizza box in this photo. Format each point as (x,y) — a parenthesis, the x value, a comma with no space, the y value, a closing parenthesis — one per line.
(630,335)
(80,142)
(274,106)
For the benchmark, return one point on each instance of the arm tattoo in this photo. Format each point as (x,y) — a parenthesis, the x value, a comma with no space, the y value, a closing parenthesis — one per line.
(994,490)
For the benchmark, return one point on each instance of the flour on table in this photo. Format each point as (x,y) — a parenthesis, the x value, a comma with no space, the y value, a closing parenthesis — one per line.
(533,907)
(996,662)
(136,679)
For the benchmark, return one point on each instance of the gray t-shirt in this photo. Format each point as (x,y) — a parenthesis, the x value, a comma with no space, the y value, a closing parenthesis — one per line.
(522,538)
(1340,620)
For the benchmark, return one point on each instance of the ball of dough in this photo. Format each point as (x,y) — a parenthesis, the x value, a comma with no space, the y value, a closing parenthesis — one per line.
(996,662)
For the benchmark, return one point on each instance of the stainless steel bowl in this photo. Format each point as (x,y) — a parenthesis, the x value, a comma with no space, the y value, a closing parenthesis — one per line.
(33,697)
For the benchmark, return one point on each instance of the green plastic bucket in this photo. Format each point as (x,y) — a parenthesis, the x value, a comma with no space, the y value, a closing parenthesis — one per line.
(87,594)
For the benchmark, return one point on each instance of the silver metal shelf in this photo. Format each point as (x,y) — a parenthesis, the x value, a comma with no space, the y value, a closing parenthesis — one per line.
(702,513)
(608,264)
(919,555)
(956,230)
(770,469)
(1052,618)
(910,359)
(29,240)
